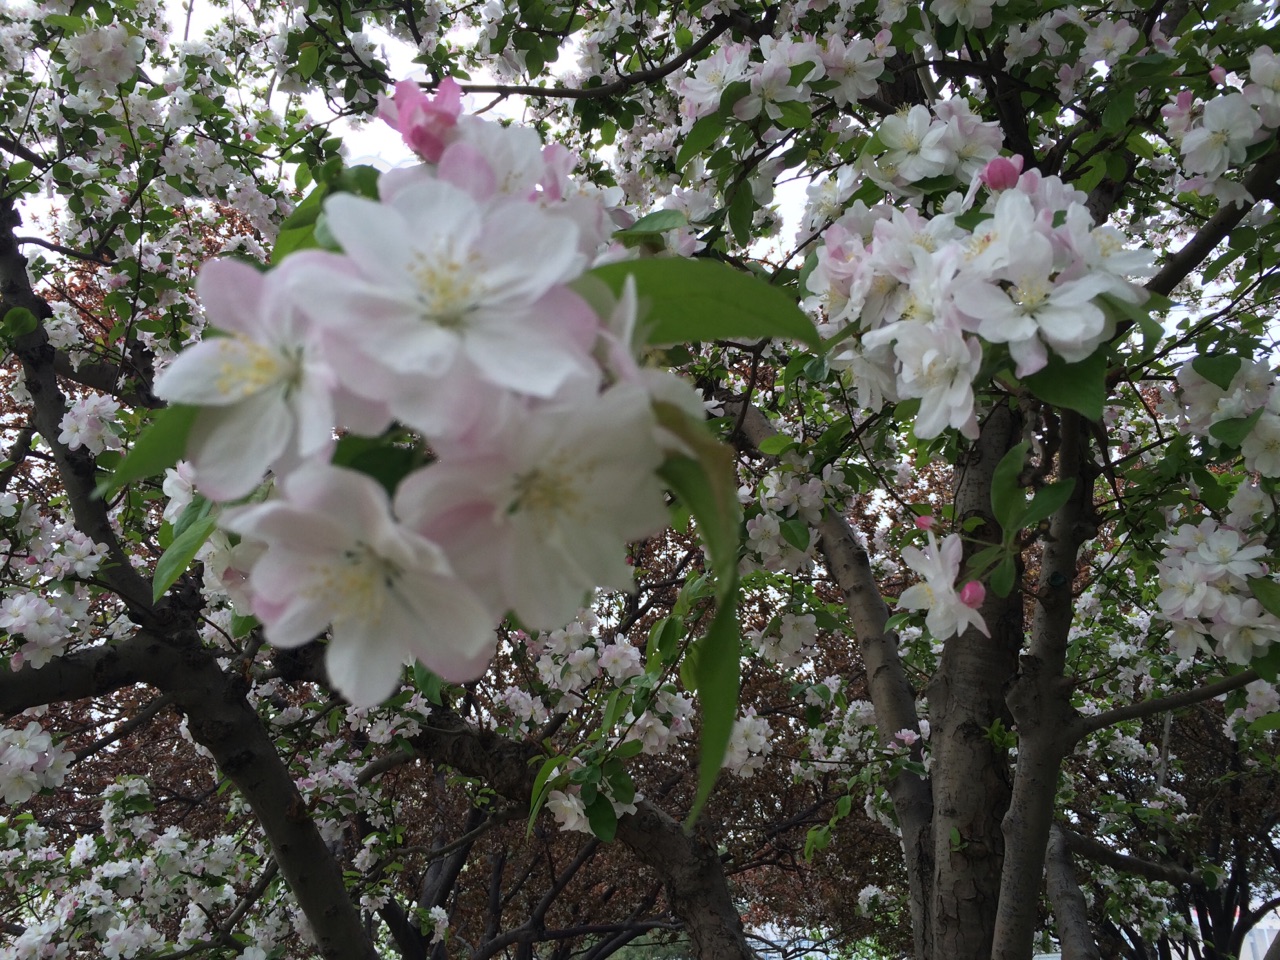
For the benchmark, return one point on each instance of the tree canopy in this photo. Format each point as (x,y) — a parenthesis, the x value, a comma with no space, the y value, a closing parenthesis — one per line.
(756,479)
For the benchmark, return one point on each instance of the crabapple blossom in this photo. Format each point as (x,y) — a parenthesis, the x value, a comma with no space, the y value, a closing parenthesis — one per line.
(1228,126)
(264,392)
(335,557)
(947,614)
(538,514)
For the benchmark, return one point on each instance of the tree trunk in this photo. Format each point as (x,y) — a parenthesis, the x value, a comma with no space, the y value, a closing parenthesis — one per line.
(971,780)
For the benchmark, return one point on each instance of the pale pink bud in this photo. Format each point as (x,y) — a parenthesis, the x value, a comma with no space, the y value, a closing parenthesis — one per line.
(924,523)
(1219,75)
(972,594)
(1001,173)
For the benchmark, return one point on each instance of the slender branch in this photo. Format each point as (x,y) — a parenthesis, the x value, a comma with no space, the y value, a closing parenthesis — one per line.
(1070,913)
(65,251)
(1099,852)
(1260,182)
(139,719)
(719,26)
(1174,701)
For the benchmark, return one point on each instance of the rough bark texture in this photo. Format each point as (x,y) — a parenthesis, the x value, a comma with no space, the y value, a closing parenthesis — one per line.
(1040,701)
(970,774)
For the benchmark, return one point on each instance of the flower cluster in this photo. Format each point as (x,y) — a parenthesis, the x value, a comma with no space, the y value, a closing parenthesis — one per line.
(924,298)
(1250,393)
(448,312)
(1214,136)
(29,762)
(1204,576)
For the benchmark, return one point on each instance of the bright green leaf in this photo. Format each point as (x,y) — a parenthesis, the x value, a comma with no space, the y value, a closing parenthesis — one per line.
(1047,501)
(1267,592)
(703,134)
(717,675)
(776,444)
(542,786)
(178,557)
(1008,502)
(162,444)
(308,61)
(1219,370)
(18,322)
(1002,576)
(1077,386)
(1233,432)
(657,222)
(709,487)
(603,820)
(691,300)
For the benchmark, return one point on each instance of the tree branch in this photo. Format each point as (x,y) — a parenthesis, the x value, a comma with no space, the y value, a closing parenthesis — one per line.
(895,709)
(1174,701)
(688,867)
(77,469)
(1099,852)
(1070,913)
(1260,182)
(719,25)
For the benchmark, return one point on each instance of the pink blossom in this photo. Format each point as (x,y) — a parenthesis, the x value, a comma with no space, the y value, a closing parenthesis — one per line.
(924,523)
(424,122)
(1001,173)
(972,594)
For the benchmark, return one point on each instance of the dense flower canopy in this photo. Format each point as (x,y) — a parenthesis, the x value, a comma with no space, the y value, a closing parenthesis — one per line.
(849,425)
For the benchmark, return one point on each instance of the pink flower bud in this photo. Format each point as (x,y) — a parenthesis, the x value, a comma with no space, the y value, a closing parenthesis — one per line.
(1219,75)
(972,594)
(1001,173)
(924,523)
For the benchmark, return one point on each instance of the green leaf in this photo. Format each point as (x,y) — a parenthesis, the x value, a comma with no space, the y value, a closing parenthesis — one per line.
(794,114)
(692,300)
(702,135)
(1077,386)
(1008,502)
(542,786)
(1047,501)
(162,444)
(796,532)
(717,676)
(1270,722)
(1267,592)
(308,61)
(604,822)
(428,684)
(18,322)
(658,221)
(178,557)
(709,487)
(1233,432)
(742,211)
(776,444)
(1268,665)
(1219,370)
(196,510)
(1119,110)
(664,640)
(1001,579)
